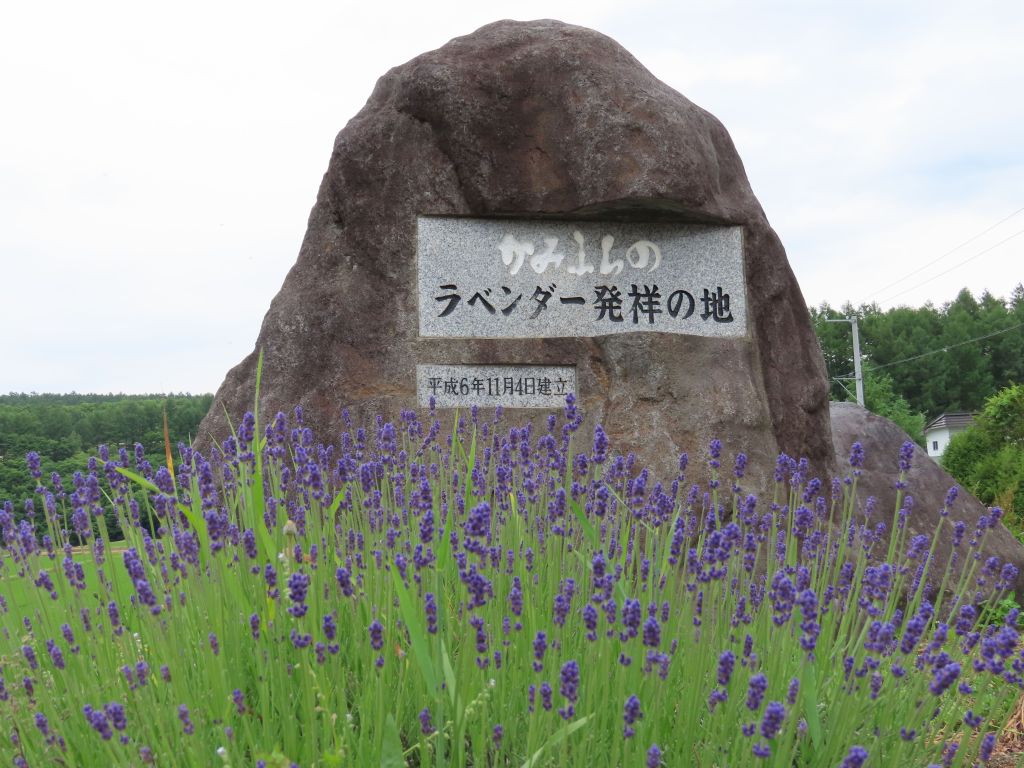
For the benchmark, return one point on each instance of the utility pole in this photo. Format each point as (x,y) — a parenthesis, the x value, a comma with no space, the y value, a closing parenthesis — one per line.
(858,376)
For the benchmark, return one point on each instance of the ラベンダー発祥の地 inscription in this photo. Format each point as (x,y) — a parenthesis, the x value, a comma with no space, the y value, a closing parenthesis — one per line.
(499,278)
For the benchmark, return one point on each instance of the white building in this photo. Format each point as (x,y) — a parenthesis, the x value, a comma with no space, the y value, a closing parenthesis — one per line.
(938,433)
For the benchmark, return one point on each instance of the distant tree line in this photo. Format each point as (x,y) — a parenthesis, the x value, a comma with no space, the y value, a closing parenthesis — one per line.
(930,360)
(967,355)
(918,363)
(65,430)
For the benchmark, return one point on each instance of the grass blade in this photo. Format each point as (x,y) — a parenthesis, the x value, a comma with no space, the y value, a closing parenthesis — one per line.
(391,748)
(561,734)
(417,635)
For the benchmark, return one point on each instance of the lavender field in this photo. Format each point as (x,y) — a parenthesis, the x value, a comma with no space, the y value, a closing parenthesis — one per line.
(490,595)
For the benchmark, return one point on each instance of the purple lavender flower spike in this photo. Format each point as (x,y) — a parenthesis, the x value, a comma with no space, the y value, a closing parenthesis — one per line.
(652,633)
(249,543)
(944,677)
(918,546)
(771,723)
(794,689)
(906,454)
(56,655)
(590,621)
(98,720)
(33,461)
(376,631)
(716,697)
(298,585)
(631,713)
(42,724)
(427,523)
(344,578)
(426,728)
(632,615)
(988,743)
(30,656)
(133,564)
(741,465)
(653,756)
(755,692)
(726,661)
(560,609)
(430,606)
(857,457)
(540,645)
(854,758)
(330,627)
(186,723)
(478,524)
(951,495)
(115,711)
(515,597)
(600,452)
(545,695)
(569,687)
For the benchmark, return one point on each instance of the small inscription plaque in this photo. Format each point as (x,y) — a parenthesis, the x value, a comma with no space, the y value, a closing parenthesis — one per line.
(485,386)
(502,278)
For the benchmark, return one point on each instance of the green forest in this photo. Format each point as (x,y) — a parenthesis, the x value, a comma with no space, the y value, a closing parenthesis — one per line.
(65,430)
(936,359)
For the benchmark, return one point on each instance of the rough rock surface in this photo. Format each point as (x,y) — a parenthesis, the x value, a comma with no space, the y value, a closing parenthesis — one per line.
(927,483)
(535,119)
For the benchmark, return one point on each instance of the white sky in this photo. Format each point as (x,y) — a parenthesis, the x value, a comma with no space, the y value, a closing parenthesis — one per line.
(158,161)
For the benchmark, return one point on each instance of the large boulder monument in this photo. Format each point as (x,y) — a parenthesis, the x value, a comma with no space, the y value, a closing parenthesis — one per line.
(527,212)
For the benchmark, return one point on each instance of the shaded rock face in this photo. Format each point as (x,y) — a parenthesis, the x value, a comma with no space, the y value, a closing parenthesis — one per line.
(531,120)
(926,481)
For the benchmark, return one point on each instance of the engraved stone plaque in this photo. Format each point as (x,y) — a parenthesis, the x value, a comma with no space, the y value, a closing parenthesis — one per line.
(510,386)
(504,278)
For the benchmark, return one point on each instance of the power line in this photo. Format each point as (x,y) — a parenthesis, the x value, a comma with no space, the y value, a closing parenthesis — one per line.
(948,347)
(955,266)
(968,241)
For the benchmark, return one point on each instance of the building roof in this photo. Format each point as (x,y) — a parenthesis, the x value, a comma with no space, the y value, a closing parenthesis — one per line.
(953,420)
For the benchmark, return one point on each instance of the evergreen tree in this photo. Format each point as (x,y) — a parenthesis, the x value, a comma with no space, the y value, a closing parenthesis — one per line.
(881,398)
(938,359)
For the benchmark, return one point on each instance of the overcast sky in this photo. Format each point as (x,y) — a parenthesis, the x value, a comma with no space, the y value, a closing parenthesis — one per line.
(158,161)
